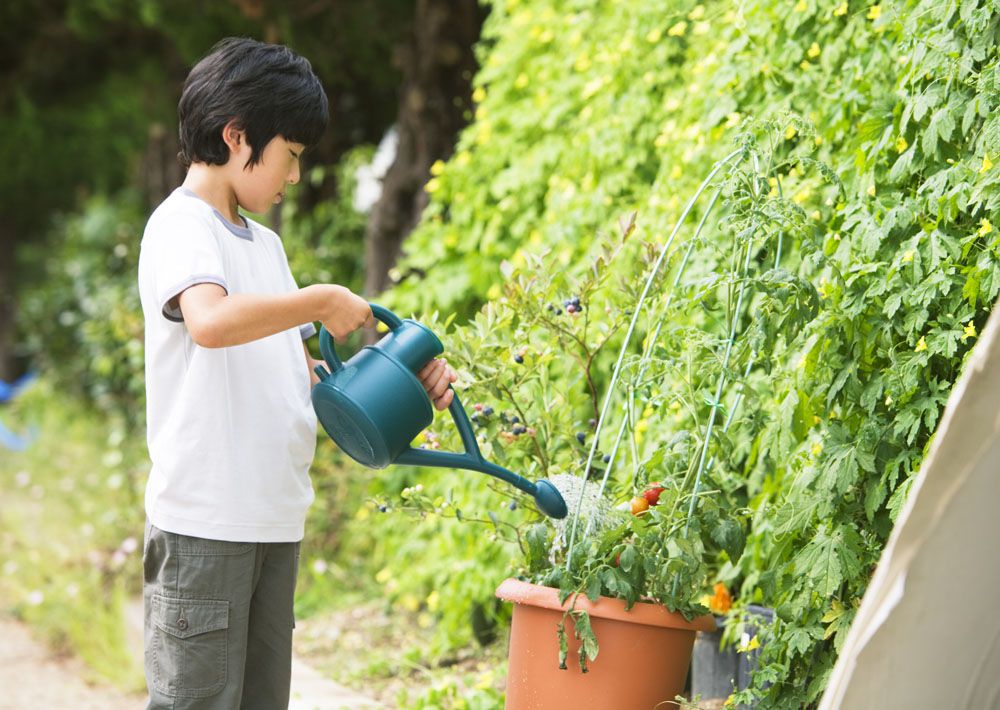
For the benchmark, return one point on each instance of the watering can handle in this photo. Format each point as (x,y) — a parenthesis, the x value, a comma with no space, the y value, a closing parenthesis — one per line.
(326,340)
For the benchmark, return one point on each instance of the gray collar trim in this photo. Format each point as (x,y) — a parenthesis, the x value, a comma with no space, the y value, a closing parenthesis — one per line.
(241,232)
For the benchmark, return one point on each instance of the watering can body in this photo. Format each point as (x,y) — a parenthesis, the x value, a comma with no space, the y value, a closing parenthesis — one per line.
(374,405)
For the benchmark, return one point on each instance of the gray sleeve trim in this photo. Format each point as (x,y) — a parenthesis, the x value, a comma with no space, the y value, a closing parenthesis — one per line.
(174,314)
(307,331)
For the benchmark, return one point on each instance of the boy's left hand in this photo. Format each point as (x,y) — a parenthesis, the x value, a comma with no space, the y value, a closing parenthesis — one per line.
(435,377)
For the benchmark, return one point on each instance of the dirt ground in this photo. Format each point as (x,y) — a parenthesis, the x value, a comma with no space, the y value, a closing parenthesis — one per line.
(31,676)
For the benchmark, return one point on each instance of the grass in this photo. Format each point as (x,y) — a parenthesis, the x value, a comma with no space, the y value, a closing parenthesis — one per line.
(71,528)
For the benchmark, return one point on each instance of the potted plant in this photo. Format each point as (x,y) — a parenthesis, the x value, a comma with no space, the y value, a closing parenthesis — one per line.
(655,509)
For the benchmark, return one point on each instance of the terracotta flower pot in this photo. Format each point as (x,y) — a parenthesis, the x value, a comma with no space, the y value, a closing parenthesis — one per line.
(643,659)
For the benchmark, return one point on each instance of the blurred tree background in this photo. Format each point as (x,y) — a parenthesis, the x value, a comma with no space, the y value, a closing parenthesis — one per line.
(88,95)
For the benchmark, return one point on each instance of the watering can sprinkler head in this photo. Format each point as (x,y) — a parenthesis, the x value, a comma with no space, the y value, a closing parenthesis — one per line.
(549,500)
(373,406)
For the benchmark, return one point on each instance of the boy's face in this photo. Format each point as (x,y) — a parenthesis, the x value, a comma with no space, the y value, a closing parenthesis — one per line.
(259,186)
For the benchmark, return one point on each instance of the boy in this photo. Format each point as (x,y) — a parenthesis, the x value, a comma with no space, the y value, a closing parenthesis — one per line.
(231,430)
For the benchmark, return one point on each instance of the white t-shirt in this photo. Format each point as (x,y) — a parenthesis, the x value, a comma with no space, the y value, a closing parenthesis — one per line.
(231,431)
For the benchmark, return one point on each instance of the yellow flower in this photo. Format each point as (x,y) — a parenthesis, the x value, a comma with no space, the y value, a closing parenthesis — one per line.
(986,164)
(437,168)
(433,599)
(817,449)
(790,132)
(697,13)
(749,644)
(874,12)
(521,81)
(969,331)
(654,35)
(765,68)
(814,50)
(984,227)
(901,144)
(479,94)
(678,30)
(871,191)
(432,185)
(818,140)
(908,256)
(841,10)
(805,64)
(732,120)
(384,575)
(801,6)
(921,345)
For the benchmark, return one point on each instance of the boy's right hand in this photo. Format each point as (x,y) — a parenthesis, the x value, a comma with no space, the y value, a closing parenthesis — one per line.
(341,311)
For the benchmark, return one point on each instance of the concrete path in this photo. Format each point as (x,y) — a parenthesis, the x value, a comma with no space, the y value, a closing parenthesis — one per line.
(31,676)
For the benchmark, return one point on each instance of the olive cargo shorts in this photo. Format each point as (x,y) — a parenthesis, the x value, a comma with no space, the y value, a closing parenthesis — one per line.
(218,622)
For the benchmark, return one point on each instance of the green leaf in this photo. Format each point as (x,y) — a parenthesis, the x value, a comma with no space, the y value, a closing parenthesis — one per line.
(728,534)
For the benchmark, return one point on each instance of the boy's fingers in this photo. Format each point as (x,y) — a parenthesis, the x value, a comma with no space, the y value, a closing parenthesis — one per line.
(443,402)
(426,370)
(438,383)
(430,369)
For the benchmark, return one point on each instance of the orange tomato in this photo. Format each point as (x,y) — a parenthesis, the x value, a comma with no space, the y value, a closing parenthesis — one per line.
(639,505)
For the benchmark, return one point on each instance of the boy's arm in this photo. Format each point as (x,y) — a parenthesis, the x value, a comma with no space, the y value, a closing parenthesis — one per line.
(216,319)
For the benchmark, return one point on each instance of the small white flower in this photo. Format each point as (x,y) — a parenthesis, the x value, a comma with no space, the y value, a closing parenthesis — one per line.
(22,478)
(9,568)
(35,598)
(72,590)
(319,566)
(129,545)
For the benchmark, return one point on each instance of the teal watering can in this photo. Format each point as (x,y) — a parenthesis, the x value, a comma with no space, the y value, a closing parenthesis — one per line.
(373,406)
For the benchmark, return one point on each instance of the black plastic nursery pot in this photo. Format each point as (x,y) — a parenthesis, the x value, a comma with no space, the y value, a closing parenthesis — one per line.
(716,673)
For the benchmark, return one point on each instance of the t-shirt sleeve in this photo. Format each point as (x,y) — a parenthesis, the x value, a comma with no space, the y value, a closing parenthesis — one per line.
(181,253)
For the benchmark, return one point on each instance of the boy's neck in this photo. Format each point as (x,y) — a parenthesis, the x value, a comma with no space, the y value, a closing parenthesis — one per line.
(209,183)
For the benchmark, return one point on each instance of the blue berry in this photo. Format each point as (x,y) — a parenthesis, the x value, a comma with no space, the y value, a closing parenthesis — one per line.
(513,505)
(581,437)
(607,458)
(487,411)
(518,359)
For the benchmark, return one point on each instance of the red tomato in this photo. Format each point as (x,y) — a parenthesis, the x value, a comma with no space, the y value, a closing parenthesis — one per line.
(652,494)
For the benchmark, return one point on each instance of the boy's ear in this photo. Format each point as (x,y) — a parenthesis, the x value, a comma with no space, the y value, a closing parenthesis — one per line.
(233,136)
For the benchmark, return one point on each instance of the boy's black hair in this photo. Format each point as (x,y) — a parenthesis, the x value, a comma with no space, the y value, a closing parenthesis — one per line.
(269,89)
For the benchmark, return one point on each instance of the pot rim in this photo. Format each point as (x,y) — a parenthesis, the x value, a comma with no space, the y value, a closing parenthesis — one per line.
(520,592)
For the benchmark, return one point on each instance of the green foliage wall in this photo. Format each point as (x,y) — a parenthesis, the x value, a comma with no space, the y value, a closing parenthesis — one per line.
(588,110)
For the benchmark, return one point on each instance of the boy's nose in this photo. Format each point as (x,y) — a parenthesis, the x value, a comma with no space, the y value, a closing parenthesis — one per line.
(293,176)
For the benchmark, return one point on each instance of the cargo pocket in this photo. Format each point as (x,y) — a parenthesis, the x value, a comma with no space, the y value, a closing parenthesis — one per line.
(189,646)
